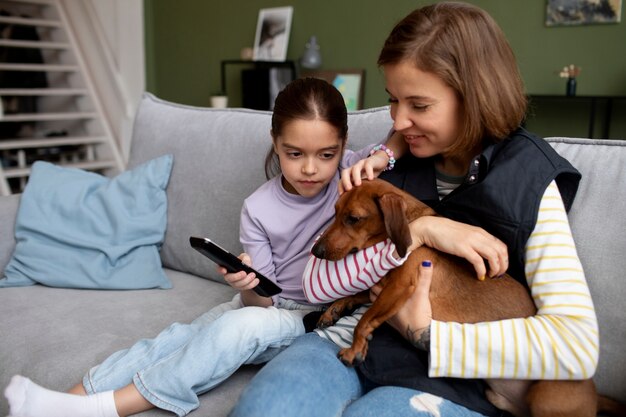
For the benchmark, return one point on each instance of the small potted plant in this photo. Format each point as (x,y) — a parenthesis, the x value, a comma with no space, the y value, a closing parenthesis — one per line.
(570,72)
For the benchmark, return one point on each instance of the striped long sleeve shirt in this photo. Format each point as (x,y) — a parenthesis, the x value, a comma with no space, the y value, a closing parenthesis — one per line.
(560,342)
(327,281)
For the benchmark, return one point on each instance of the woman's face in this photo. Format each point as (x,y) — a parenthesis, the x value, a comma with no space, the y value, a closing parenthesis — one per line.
(425,110)
(309,152)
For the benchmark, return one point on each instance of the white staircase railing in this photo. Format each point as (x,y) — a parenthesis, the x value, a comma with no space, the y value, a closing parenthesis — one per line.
(69,126)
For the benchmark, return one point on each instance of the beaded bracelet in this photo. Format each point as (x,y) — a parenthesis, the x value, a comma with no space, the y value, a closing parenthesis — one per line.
(389,152)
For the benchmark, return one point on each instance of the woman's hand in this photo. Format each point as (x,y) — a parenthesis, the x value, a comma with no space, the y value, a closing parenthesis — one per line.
(459,239)
(414,318)
(244,283)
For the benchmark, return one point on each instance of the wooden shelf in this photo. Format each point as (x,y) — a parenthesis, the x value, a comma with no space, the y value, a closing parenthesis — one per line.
(594,101)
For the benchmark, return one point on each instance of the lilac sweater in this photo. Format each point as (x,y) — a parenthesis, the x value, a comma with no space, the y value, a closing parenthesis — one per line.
(278,229)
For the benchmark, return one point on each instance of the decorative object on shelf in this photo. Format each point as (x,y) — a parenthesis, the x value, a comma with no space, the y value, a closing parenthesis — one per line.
(349,82)
(580,12)
(272,34)
(570,72)
(311,58)
(219,101)
(570,87)
(246,53)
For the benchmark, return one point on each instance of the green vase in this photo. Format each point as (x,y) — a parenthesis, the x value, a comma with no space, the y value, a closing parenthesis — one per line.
(570,89)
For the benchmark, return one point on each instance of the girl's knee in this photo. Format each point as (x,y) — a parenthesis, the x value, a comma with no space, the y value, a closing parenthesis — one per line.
(248,323)
(252,318)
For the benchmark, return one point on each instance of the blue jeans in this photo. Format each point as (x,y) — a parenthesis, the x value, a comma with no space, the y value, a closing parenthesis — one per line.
(185,360)
(307,380)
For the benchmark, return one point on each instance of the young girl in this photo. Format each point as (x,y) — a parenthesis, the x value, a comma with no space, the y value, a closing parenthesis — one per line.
(278,225)
(457,99)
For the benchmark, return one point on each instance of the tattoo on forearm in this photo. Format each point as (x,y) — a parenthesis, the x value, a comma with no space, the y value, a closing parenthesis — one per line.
(420,338)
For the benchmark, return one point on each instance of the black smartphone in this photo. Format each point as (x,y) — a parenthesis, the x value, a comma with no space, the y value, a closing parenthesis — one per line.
(222,257)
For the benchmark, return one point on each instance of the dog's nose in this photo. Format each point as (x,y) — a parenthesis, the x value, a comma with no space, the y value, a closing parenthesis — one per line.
(319,250)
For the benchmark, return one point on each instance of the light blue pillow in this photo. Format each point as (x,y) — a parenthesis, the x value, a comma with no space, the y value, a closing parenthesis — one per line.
(78,229)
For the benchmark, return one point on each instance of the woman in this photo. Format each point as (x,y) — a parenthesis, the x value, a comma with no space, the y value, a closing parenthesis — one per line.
(457,98)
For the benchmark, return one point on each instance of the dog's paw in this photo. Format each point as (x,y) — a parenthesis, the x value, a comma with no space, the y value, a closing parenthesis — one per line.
(346,357)
(329,318)
(350,358)
(326,320)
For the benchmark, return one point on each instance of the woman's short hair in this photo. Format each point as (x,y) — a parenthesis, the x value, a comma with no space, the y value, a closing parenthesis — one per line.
(465,47)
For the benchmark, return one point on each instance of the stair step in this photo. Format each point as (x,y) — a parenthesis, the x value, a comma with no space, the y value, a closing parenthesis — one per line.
(43,91)
(42,2)
(42,117)
(38,67)
(30,143)
(90,166)
(14,43)
(25,21)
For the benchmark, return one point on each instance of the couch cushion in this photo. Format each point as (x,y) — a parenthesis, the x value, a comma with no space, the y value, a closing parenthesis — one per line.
(8,211)
(78,229)
(218,156)
(598,224)
(58,334)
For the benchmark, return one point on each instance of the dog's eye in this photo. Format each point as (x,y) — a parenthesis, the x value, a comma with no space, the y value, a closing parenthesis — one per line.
(352,220)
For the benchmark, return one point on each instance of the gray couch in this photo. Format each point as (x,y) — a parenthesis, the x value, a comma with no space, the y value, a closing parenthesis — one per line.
(54,335)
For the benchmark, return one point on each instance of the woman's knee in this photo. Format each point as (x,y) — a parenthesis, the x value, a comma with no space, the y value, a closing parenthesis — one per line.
(305,376)
(390,401)
(308,357)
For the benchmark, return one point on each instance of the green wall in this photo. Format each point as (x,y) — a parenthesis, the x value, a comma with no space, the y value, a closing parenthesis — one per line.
(186,40)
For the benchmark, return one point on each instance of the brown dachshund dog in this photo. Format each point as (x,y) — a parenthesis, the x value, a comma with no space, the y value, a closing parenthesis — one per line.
(370,213)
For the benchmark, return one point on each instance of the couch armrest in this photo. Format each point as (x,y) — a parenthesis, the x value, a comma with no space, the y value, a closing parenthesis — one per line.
(8,212)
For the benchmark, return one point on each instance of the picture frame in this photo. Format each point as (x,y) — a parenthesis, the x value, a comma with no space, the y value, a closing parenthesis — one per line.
(582,12)
(349,82)
(272,34)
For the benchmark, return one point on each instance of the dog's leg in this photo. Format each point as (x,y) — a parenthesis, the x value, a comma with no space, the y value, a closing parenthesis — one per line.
(393,296)
(336,309)
(562,399)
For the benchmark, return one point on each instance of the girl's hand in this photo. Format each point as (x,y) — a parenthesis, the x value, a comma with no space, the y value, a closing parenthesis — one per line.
(368,168)
(459,239)
(414,318)
(372,166)
(240,280)
(244,283)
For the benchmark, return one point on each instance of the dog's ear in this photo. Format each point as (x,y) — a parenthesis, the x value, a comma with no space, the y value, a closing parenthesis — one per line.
(393,208)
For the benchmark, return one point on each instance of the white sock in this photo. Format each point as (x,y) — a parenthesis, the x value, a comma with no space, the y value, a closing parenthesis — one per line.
(27,399)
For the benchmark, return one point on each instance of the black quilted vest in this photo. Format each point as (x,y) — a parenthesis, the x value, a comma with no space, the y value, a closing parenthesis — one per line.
(501,194)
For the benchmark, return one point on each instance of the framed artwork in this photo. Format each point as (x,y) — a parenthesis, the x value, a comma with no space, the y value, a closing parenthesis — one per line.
(272,34)
(349,82)
(580,12)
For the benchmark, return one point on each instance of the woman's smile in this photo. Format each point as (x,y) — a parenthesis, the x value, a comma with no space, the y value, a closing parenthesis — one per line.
(414,139)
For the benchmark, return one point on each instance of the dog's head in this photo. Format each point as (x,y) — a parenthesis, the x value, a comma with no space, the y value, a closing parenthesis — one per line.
(368,214)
